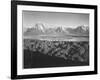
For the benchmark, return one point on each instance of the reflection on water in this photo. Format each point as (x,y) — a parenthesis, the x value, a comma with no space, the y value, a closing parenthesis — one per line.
(59,38)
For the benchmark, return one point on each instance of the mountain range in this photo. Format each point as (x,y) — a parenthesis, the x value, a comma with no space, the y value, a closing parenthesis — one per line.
(41,29)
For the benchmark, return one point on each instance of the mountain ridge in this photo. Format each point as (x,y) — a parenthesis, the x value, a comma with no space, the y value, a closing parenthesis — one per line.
(41,29)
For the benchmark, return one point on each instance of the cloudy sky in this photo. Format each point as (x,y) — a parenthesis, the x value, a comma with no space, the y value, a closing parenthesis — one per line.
(30,18)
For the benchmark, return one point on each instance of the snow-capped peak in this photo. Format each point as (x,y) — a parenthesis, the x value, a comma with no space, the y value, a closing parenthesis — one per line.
(85,28)
(40,26)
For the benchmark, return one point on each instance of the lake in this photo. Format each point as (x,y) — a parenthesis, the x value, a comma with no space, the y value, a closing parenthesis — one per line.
(58,38)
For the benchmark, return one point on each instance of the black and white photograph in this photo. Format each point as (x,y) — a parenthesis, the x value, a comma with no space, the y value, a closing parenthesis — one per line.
(53,39)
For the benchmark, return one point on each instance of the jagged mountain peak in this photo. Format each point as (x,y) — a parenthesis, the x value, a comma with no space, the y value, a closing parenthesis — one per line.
(40,29)
(40,26)
(83,27)
(59,29)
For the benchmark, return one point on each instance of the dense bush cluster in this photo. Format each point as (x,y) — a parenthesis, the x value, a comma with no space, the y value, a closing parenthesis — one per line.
(73,51)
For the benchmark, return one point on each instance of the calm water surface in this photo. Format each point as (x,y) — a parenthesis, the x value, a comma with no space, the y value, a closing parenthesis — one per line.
(59,38)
